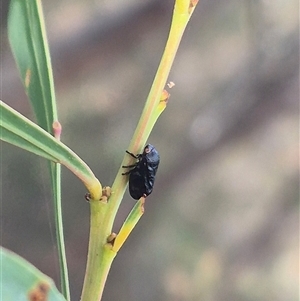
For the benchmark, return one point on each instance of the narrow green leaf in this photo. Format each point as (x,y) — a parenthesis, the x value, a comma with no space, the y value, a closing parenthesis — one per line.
(27,36)
(20,131)
(21,281)
(129,224)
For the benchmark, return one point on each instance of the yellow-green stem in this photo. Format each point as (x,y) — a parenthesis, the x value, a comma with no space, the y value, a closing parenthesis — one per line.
(64,278)
(100,254)
(181,16)
(130,222)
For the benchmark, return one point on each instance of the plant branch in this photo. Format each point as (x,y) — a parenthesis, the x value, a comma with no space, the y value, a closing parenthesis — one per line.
(104,244)
(182,12)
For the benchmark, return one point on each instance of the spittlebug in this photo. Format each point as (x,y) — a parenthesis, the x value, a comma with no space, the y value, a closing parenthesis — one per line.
(142,174)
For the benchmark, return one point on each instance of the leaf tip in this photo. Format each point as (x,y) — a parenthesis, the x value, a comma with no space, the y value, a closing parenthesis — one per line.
(57,129)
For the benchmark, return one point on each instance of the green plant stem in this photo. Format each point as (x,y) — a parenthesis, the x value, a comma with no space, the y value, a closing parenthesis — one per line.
(55,171)
(130,222)
(64,278)
(181,16)
(100,255)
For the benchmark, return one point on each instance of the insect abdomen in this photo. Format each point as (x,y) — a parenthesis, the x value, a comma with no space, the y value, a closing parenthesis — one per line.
(142,176)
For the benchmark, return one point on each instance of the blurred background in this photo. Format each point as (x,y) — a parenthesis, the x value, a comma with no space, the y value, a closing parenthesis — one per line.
(223,220)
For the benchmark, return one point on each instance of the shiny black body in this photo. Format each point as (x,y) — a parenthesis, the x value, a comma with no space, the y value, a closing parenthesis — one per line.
(142,175)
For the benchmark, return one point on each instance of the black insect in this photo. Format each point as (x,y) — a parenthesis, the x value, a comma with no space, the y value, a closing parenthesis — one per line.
(142,175)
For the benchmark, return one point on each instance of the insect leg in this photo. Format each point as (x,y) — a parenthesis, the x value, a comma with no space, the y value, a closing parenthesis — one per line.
(132,155)
(128,166)
(132,165)
(127,172)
